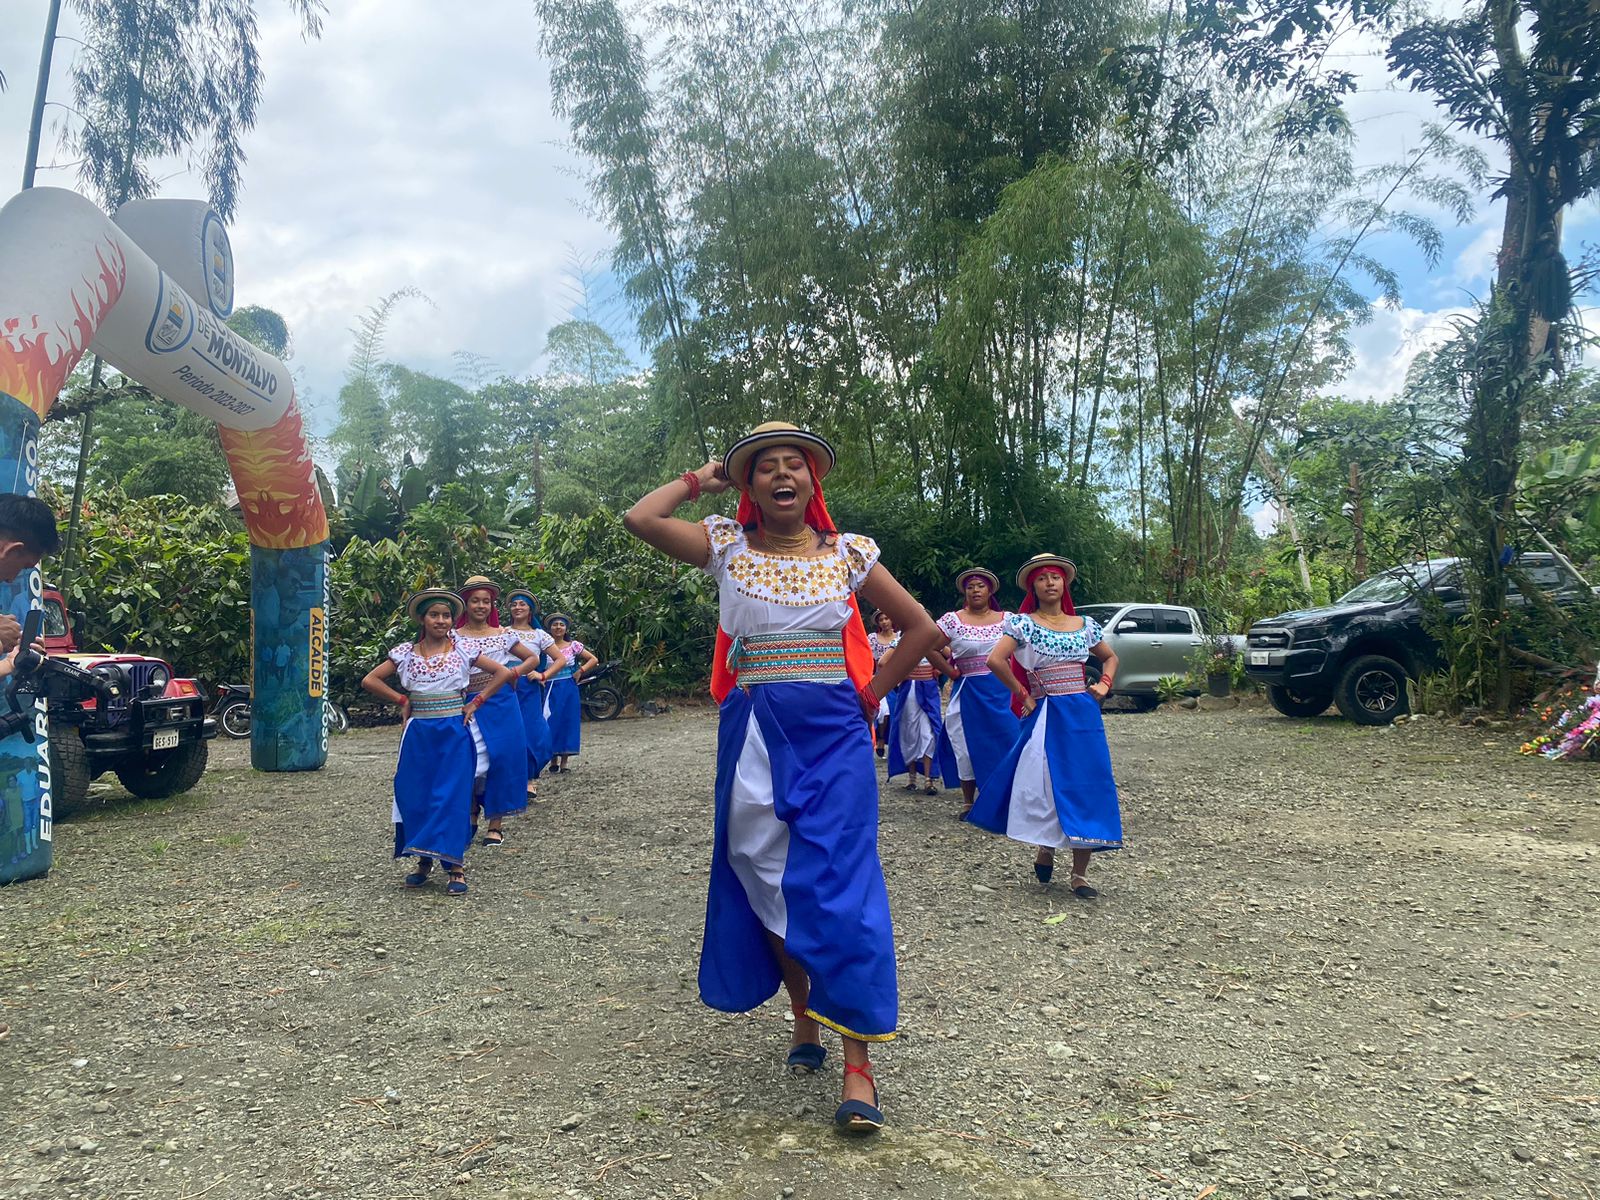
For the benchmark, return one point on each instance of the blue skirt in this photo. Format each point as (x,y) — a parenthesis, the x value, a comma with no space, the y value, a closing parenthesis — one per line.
(433,789)
(499,722)
(1054,787)
(795,853)
(530,698)
(561,711)
(924,693)
(979,728)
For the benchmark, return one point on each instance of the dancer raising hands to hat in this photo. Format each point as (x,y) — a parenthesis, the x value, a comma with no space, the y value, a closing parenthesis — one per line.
(433,779)
(797,893)
(979,725)
(1054,788)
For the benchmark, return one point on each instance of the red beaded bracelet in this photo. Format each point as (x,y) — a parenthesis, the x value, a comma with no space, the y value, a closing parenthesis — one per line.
(693,480)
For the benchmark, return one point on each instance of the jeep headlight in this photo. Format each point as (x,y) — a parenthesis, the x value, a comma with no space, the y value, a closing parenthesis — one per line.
(158,680)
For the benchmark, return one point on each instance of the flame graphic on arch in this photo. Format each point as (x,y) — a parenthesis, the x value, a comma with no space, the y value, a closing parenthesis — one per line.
(35,359)
(277,485)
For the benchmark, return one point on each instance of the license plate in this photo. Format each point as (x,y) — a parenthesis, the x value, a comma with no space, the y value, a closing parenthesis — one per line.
(1258,658)
(165,739)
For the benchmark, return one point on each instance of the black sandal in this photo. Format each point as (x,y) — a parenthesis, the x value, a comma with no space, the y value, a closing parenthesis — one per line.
(494,837)
(419,877)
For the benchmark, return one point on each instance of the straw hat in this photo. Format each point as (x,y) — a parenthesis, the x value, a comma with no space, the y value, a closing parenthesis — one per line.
(775,433)
(480,583)
(519,592)
(1065,565)
(551,618)
(418,602)
(963,576)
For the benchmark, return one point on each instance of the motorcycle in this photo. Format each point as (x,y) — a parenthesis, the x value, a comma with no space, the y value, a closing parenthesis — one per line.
(599,700)
(231,707)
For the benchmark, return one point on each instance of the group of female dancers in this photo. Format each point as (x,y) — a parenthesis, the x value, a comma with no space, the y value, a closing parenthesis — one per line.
(1054,789)
(487,708)
(797,894)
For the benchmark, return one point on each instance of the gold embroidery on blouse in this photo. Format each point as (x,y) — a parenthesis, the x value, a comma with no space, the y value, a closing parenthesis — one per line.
(793,582)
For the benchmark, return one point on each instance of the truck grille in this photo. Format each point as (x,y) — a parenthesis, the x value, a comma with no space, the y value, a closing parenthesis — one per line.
(138,679)
(1268,639)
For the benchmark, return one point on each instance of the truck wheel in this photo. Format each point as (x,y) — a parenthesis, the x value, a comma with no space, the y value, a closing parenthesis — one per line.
(1297,704)
(163,773)
(235,718)
(69,771)
(1372,690)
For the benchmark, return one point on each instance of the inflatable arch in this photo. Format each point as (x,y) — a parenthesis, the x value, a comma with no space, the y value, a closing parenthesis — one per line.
(72,281)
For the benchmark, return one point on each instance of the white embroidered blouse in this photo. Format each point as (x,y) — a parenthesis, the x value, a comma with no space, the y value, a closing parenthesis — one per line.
(571,652)
(1040,646)
(970,641)
(536,640)
(444,672)
(879,646)
(782,593)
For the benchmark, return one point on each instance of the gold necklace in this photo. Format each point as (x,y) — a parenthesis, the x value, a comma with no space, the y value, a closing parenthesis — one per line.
(788,543)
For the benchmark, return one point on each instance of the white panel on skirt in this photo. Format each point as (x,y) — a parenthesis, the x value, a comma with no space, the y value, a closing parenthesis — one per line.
(758,843)
(1032,816)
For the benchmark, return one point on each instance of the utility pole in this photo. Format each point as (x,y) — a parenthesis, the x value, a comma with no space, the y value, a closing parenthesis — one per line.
(30,162)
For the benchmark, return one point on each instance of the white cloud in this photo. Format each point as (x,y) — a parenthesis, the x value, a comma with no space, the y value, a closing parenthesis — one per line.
(1385,346)
(413,144)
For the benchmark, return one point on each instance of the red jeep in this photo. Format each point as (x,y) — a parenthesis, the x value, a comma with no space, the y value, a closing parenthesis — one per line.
(136,720)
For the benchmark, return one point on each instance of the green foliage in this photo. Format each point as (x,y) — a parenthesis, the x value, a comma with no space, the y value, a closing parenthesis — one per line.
(1171,688)
(164,577)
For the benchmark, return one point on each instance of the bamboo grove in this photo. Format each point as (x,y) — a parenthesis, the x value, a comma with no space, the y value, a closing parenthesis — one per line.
(1046,266)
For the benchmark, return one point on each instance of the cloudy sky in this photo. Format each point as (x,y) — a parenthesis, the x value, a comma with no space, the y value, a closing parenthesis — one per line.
(414,145)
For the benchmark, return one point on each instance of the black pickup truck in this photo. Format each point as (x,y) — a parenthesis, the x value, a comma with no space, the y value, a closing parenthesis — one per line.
(1359,651)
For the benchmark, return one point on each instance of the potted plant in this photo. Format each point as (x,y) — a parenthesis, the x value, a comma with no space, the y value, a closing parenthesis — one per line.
(1213,661)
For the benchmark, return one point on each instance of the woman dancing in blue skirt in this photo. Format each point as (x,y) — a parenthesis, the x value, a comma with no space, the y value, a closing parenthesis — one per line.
(915,720)
(979,725)
(502,786)
(797,893)
(562,704)
(433,779)
(1054,788)
(522,624)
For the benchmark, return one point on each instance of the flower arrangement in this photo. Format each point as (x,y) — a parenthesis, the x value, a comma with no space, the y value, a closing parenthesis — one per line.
(1216,655)
(1572,726)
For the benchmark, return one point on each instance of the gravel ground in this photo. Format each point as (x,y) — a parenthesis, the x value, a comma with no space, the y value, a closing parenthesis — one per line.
(1334,962)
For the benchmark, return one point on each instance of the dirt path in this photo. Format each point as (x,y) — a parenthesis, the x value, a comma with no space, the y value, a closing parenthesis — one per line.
(1334,962)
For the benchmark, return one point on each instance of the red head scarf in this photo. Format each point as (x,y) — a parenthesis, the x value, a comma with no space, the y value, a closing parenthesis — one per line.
(1030,602)
(858,662)
(494,609)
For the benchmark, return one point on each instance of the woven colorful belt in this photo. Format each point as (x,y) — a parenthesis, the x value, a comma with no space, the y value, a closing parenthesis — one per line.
(804,656)
(974,664)
(477,681)
(921,671)
(436,704)
(1060,679)
(566,672)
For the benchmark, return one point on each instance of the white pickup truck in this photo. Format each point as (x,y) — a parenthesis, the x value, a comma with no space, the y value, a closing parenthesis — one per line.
(1151,640)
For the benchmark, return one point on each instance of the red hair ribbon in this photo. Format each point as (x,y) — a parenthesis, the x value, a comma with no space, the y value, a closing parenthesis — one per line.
(858,662)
